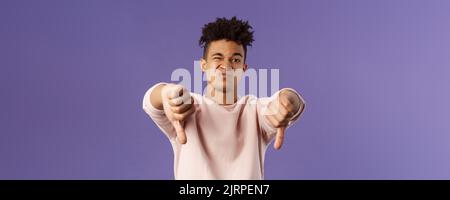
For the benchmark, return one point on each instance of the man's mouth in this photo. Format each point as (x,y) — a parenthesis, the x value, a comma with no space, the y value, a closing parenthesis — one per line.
(225,74)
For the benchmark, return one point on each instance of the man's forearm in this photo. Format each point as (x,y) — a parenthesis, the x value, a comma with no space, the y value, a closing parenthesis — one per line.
(156,98)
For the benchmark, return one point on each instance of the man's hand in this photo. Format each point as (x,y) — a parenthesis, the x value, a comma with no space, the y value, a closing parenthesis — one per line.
(178,105)
(281,111)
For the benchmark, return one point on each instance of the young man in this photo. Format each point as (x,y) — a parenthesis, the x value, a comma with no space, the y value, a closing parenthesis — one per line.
(218,135)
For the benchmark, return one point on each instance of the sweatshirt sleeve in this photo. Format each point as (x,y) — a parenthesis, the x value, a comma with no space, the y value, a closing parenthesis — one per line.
(157,115)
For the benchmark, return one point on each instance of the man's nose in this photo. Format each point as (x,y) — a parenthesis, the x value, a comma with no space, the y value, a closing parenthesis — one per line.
(226,65)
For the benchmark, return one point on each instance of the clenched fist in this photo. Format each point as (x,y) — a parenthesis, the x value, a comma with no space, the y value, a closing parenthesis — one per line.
(281,111)
(178,105)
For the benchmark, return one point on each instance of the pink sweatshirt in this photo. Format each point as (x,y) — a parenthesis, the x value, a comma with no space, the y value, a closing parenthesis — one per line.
(223,142)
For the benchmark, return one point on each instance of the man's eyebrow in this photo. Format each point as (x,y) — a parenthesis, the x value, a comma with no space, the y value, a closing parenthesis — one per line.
(237,54)
(217,54)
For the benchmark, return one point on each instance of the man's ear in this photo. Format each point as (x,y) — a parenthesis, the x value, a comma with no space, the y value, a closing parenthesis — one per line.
(203,65)
(245,67)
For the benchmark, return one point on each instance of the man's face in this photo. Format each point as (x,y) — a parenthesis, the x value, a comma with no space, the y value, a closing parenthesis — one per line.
(224,64)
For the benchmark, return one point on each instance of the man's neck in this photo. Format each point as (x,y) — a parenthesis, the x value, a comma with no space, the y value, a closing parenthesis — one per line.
(221,97)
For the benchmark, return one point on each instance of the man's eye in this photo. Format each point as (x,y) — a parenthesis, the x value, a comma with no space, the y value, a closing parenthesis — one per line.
(237,60)
(216,58)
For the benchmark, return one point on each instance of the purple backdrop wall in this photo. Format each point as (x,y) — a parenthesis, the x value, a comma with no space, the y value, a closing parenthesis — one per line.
(375,75)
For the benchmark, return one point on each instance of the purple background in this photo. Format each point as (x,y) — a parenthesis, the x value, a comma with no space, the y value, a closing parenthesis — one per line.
(375,75)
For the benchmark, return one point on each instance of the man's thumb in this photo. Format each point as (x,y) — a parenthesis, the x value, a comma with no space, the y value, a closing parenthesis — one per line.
(181,134)
(279,138)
